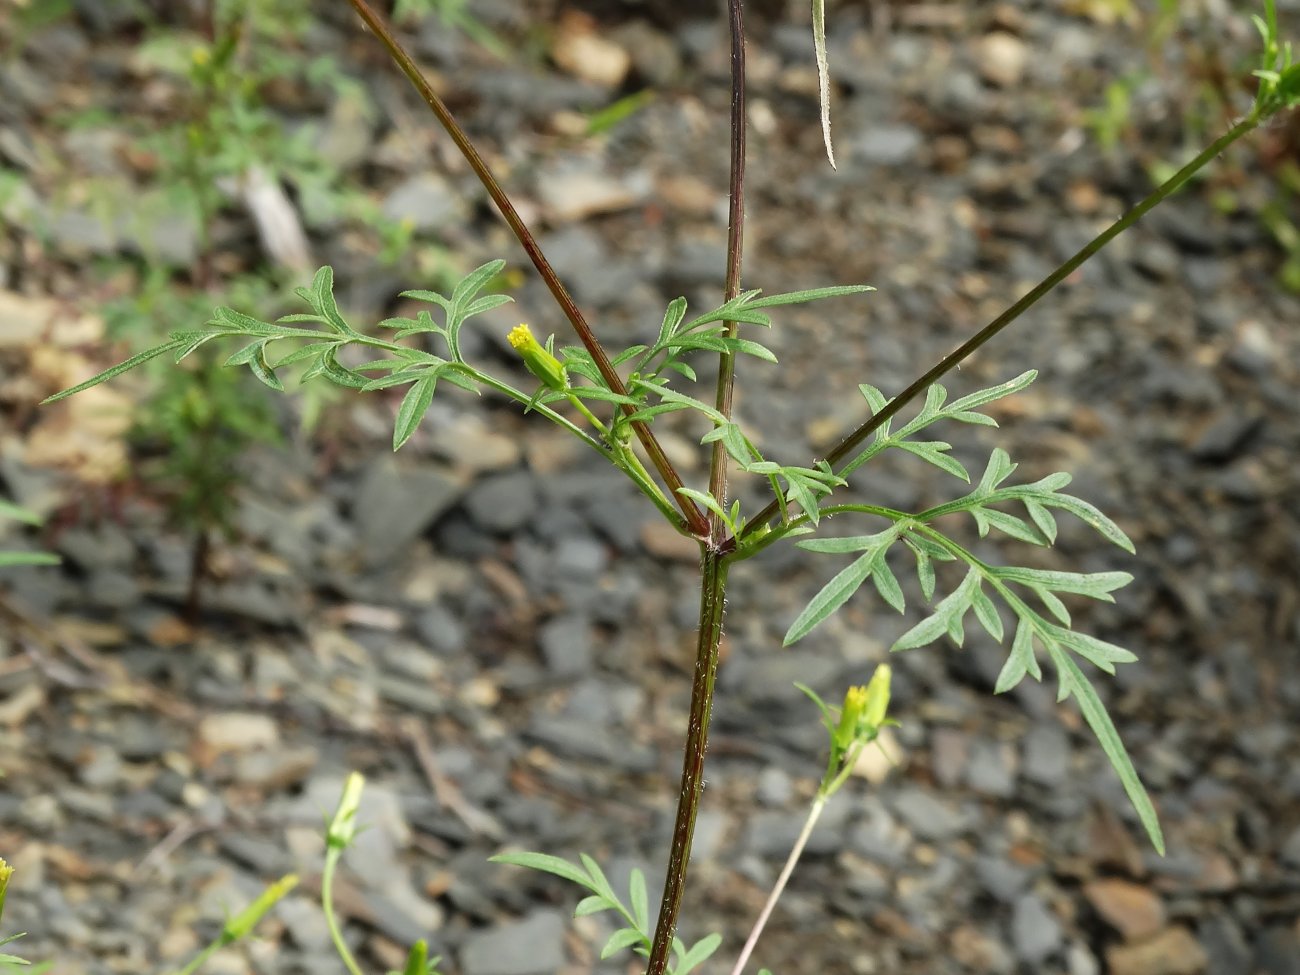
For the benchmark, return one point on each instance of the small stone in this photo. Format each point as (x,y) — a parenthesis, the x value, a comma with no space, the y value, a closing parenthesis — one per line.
(663,541)
(425,201)
(927,816)
(395,503)
(583,53)
(1291,848)
(1224,944)
(888,145)
(503,502)
(991,770)
(1131,909)
(949,749)
(469,444)
(1000,58)
(277,769)
(238,732)
(1278,952)
(580,558)
(1173,951)
(566,644)
(440,630)
(774,787)
(533,946)
(1047,755)
(574,191)
(1035,931)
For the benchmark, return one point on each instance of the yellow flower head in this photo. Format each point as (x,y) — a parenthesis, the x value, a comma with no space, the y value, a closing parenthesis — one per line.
(540,363)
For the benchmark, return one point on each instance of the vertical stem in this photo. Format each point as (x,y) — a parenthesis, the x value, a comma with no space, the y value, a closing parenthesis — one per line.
(713,572)
(695,519)
(735,248)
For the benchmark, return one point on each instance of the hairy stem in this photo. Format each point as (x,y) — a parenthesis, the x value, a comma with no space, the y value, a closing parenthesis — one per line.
(695,519)
(735,247)
(713,572)
(967,348)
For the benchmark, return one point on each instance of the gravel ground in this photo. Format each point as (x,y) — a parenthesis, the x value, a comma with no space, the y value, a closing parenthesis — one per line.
(494,630)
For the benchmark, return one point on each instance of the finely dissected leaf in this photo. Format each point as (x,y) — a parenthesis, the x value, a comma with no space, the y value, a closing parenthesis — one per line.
(932,410)
(546,864)
(138,359)
(620,940)
(1074,683)
(598,883)
(1100,653)
(946,618)
(847,581)
(414,405)
(1096,585)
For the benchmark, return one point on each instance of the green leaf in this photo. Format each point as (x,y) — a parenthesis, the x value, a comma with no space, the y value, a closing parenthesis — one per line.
(698,955)
(414,405)
(486,303)
(1093,518)
(258,366)
(15,513)
(593,904)
(1020,661)
(639,899)
(812,294)
(984,396)
(987,614)
(846,582)
(138,359)
(546,864)
(599,884)
(475,281)
(621,940)
(709,502)
(27,558)
(946,618)
(935,452)
(1074,683)
(1095,585)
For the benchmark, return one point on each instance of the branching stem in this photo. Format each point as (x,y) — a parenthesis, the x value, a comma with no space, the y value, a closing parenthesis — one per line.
(696,522)
(953,359)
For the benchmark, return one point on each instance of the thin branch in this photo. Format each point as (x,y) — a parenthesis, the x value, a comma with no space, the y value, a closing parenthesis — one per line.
(967,348)
(735,249)
(695,520)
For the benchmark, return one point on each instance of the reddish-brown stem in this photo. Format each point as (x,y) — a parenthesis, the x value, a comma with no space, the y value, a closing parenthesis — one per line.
(713,587)
(735,246)
(713,575)
(694,520)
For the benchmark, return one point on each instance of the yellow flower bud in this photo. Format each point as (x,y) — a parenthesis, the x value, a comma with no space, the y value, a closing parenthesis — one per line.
(878,696)
(6,872)
(540,363)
